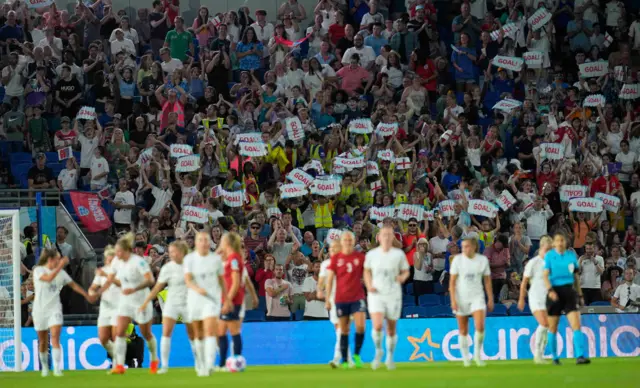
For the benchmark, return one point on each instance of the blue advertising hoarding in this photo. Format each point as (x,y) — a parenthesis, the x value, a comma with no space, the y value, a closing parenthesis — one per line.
(419,340)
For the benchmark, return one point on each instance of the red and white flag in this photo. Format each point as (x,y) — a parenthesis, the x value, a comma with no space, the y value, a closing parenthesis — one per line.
(289,43)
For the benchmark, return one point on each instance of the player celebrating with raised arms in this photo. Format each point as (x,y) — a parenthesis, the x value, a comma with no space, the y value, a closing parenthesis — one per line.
(172,275)
(346,269)
(48,279)
(468,272)
(108,301)
(385,269)
(203,273)
(562,280)
(230,249)
(133,275)
(534,273)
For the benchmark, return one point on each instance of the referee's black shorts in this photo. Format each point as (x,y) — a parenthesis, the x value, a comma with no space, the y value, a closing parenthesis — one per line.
(567,301)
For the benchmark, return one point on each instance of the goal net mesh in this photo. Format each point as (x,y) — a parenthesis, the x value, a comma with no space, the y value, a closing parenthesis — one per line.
(7,313)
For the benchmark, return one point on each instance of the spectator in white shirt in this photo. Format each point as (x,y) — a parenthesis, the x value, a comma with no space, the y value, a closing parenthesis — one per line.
(626,298)
(634,33)
(537,217)
(591,269)
(263,29)
(371,17)
(68,177)
(314,308)
(129,33)
(122,44)
(12,78)
(52,42)
(61,245)
(366,53)
(162,194)
(124,203)
(169,65)
(99,169)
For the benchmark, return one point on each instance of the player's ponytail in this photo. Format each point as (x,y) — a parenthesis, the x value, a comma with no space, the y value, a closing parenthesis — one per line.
(126,242)
(109,250)
(47,254)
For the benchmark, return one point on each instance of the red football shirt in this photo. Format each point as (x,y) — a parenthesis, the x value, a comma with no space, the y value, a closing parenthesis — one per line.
(348,271)
(231,265)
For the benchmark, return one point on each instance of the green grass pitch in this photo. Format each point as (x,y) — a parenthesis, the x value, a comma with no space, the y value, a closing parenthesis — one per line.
(602,373)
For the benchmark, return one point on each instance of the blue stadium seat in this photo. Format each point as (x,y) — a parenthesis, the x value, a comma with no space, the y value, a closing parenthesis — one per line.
(8,148)
(408,300)
(56,168)
(443,315)
(432,311)
(414,312)
(20,173)
(254,316)
(446,300)
(429,300)
(601,303)
(262,303)
(20,157)
(499,310)
(409,289)
(299,315)
(52,157)
(513,310)
(438,288)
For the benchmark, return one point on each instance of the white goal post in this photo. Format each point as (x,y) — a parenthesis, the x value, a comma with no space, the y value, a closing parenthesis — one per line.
(10,313)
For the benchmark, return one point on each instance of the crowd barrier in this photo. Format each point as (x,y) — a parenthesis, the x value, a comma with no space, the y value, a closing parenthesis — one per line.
(419,340)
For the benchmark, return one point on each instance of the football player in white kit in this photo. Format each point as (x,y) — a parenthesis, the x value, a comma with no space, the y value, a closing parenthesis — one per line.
(108,301)
(172,275)
(534,273)
(203,275)
(385,269)
(48,279)
(133,275)
(468,271)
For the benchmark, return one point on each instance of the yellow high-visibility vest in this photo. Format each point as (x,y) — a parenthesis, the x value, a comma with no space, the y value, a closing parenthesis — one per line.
(323,216)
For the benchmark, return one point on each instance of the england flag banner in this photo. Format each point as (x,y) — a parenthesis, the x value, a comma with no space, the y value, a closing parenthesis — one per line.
(65,153)
(507,105)
(620,73)
(251,137)
(407,212)
(539,19)
(446,135)
(372,168)
(86,113)
(611,203)
(363,126)
(180,150)
(375,186)
(326,187)
(594,69)
(216,191)
(586,205)
(447,208)
(233,198)
(386,155)
(482,208)
(314,165)
(333,235)
(509,30)
(145,157)
(568,192)
(509,63)
(195,214)
(253,149)
(299,176)
(294,128)
(403,163)
(380,213)
(293,190)
(505,200)
(386,130)
(533,59)
(350,163)
(552,151)
(188,163)
(629,92)
(594,100)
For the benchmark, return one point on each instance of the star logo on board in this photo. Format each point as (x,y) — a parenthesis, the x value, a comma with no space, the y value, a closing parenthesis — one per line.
(418,344)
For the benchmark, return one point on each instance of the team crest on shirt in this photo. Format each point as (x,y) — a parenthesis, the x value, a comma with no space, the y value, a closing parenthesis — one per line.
(340,262)
(356,262)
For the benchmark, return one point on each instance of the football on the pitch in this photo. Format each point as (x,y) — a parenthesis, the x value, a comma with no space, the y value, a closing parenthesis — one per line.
(236,364)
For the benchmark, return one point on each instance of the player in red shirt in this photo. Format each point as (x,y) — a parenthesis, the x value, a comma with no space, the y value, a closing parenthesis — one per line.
(230,249)
(347,268)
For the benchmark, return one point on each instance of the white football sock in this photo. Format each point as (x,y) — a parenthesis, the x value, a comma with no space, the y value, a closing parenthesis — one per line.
(153,348)
(165,350)
(464,346)
(336,350)
(193,351)
(478,341)
(377,339)
(391,342)
(199,359)
(109,347)
(44,361)
(210,351)
(56,357)
(120,350)
(541,341)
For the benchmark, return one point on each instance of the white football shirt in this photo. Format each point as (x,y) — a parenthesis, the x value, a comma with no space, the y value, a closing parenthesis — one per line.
(131,275)
(172,274)
(323,275)
(109,298)
(205,271)
(471,272)
(47,299)
(534,270)
(385,267)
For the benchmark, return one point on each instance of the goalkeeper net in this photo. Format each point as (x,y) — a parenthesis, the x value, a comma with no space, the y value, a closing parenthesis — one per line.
(10,322)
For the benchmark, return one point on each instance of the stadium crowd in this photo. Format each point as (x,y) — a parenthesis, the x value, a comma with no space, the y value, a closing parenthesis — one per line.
(394,102)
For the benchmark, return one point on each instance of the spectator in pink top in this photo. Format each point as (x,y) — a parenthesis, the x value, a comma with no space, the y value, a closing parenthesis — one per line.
(265,274)
(353,75)
(499,261)
(203,27)
(279,296)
